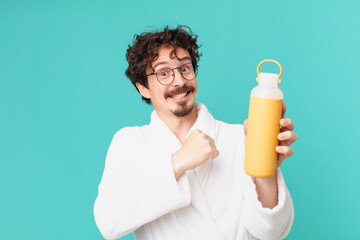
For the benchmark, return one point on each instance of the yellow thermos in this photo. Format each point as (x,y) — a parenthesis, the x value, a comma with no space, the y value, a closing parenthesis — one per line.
(265,111)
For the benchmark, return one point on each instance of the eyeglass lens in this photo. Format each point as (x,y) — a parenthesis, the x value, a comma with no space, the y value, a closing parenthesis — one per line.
(166,75)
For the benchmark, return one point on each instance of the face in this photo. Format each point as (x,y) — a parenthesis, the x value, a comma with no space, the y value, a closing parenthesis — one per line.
(178,98)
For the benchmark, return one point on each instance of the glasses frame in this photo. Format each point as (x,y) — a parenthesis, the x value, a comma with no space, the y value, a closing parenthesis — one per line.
(173,74)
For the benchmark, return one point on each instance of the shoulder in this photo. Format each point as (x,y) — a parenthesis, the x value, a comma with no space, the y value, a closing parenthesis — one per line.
(130,134)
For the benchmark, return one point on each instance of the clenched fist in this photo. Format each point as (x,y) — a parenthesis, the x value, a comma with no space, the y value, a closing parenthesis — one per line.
(196,150)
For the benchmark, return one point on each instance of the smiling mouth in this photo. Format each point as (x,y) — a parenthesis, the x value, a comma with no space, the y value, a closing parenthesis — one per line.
(180,95)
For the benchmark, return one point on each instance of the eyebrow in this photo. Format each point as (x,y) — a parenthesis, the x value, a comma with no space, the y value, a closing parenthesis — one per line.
(181,59)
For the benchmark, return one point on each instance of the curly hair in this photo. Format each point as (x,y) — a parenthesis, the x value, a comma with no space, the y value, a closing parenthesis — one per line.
(145,49)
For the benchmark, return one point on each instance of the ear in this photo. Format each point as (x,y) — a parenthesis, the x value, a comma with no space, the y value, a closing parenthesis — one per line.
(143,90)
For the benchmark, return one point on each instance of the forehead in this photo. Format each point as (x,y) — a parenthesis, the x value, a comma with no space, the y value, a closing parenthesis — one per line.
(165,51)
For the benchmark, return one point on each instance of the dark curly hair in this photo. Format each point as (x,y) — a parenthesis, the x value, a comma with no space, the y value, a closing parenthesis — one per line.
(145,49)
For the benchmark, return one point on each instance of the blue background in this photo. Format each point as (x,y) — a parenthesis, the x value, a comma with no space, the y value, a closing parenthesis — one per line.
(63,94)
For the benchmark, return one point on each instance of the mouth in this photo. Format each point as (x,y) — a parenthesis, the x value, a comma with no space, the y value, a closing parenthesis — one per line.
(180,96)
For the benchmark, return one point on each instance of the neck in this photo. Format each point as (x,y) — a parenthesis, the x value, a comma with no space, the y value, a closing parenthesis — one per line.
(180,126)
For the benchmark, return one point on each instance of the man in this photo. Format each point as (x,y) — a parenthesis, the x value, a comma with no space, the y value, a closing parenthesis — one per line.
(182,176)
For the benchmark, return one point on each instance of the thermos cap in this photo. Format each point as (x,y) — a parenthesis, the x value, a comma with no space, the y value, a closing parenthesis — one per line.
(270,60)
(268,79)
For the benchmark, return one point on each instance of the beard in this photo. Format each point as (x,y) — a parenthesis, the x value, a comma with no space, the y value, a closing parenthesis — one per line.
(183,110)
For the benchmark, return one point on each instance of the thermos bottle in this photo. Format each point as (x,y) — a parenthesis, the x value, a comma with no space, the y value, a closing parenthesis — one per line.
(263,124)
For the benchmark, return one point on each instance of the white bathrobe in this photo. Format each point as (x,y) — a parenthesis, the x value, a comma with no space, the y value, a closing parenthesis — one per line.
(139,193)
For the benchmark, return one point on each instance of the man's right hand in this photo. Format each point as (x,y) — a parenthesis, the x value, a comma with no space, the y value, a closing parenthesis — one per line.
(196,150)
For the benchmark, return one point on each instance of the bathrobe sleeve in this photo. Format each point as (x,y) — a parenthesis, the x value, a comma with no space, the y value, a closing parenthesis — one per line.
(266,223)
(135,190)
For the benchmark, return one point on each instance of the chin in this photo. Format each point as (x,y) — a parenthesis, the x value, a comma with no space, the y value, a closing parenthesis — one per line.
(183,109)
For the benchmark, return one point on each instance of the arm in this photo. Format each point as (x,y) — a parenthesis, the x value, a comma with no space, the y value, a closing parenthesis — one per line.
(263,222)
(271,214)
(267,190)
(267,187)
(134,191)
(269,210)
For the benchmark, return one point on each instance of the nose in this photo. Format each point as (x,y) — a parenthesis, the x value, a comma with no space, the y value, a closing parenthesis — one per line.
(178,78)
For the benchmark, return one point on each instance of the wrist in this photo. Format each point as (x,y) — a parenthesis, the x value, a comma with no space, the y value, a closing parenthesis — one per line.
(179,170)
(266,181)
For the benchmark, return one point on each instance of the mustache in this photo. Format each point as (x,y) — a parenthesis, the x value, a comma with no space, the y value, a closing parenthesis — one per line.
(182,89)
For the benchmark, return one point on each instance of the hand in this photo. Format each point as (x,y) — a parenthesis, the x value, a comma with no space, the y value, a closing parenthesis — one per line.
(197,149)
(286,137)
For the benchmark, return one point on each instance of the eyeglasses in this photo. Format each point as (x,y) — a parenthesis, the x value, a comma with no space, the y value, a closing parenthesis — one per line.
(166,76)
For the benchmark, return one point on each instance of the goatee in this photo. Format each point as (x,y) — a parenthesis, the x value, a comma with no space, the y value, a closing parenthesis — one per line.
(182,110)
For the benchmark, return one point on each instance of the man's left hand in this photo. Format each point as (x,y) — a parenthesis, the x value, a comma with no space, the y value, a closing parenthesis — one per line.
(286,137)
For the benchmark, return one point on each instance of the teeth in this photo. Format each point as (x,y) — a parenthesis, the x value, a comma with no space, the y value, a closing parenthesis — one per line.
(181,95)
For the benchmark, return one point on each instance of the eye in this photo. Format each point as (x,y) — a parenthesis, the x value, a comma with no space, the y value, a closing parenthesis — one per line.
(164,73)
(186,68)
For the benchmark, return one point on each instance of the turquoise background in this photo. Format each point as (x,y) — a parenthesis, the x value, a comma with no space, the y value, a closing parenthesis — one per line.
(63,95)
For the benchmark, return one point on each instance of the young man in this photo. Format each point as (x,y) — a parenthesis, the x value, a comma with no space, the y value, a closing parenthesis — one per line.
(182,176)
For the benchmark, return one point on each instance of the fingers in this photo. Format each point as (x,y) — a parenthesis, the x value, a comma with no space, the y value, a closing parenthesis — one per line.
(216,154)
(284,152)
(245,126)
(195,131)
(210,139)
(287,138)
(204,136)
(287,124)
(213,150)
(199,132)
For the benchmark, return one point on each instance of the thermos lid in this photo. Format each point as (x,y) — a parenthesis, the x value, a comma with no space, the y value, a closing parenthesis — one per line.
(269,76)
(268,79)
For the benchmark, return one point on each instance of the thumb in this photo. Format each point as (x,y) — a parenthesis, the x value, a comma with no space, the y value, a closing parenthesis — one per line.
(245,126)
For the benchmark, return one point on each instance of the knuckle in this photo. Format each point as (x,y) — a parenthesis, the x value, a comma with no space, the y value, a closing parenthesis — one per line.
(208,147)
(204,137)
(284,150)
(287,150)
(289,121)
(197,131)
(287,134)
(290,151)
(291,135)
